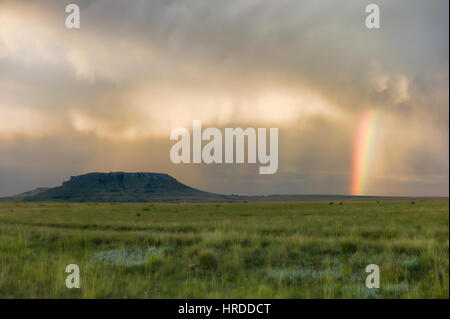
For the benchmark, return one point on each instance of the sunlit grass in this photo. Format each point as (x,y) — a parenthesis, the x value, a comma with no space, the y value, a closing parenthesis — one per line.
(226,250)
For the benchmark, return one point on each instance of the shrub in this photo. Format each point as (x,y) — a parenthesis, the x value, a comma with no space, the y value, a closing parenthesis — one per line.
(349,247)
(255,258)
(207,258)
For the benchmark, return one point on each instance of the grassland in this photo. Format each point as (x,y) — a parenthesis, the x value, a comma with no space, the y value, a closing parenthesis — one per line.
(226,250)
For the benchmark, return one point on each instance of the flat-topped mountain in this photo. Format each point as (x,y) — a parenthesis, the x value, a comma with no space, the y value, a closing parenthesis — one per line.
(119,187)
(156,187)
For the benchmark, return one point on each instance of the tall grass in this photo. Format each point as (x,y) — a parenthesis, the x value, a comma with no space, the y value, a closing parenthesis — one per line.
(227,250)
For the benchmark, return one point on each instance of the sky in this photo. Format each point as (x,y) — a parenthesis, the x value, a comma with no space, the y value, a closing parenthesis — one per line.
(106,96)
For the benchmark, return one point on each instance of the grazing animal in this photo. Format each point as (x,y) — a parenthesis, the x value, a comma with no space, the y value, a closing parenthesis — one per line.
(331,203)
(341,203)
(413,202)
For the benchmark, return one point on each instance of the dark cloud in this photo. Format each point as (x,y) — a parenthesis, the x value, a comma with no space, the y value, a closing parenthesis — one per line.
(136,69)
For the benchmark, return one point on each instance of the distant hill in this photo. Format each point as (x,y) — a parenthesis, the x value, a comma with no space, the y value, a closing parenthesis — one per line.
(29,193)
(119,187)
(156,187)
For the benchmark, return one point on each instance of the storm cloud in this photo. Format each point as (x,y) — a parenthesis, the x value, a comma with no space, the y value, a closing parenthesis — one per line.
(106,96)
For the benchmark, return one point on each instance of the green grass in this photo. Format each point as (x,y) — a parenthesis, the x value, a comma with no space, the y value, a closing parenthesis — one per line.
(226,250)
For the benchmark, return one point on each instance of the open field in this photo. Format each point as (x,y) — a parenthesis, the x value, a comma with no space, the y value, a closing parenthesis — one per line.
(225,250)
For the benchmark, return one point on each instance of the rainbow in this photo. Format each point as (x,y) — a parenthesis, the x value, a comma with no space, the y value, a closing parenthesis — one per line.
(363,149)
